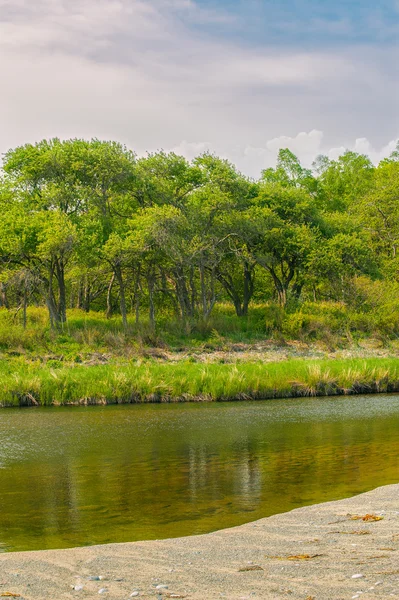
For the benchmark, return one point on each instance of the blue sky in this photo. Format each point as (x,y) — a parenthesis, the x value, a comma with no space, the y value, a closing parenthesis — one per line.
(307,22)
(240,78)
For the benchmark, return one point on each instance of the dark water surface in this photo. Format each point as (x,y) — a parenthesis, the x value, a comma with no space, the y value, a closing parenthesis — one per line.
(77,476)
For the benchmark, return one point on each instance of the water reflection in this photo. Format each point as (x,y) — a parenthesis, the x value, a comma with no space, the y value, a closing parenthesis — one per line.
(107,474)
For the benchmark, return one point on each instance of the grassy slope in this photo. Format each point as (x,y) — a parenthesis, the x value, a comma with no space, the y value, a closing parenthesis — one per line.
(40,367)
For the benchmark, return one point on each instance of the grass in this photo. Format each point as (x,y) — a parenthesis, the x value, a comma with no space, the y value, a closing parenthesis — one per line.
(328,323)
(93,332)
(148,381)
(93,361)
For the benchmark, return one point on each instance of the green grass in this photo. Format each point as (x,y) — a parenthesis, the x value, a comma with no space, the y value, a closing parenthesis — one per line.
(328,323)
(92,332)
(149,381)
(42,367)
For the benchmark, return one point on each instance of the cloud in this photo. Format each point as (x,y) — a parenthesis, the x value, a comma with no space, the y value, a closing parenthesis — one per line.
(304,143)
(364,146)
(260,69)
(192,149)
(154,74)
(102,29)
(306,146)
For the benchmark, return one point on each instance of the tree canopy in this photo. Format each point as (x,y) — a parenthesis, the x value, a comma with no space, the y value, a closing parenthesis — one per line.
(88,224)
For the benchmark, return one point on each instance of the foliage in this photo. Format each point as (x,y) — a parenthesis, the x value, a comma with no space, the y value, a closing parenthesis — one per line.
(88,225)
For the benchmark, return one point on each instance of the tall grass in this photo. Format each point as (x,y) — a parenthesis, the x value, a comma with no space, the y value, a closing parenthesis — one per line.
(93,331)
(148,381)
(42,367)
(332,324)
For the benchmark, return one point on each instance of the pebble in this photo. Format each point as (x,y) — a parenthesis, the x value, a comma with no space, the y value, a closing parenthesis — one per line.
(161,587)
(78,588)
(134,594)
(95,578)
(357,576)
(103,591)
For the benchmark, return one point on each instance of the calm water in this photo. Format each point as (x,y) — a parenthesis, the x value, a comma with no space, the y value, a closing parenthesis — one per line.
(72,477)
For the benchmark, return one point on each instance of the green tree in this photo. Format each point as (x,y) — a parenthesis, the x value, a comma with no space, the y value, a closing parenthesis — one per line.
(290,173)
(342,183)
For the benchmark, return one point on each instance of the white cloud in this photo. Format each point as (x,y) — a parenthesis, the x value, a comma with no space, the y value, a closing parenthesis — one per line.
(364,146)
(249,68)
(306,146)
(192,149)
(134,71)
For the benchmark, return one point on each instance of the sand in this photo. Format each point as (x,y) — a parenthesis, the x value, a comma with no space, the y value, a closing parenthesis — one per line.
(338,557)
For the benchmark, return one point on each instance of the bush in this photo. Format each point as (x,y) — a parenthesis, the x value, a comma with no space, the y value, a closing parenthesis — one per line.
(274,316)
(316,321)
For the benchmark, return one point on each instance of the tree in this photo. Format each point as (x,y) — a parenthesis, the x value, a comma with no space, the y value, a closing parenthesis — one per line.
(379,215)
(41,243)
(343,182)
(281,228)
(290,173)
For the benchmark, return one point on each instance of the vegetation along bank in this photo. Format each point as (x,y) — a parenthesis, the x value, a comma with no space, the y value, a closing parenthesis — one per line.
(119,274)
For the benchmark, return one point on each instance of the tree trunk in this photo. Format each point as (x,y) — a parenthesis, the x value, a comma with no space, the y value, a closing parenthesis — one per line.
(207,303)
(122,296)
(80,302)
(54,315)
(240,300)
(53,309)
(3,296)
(180,300)
(193,291)
(109,297)
(151,285)
(297,290)
(24,305)
(169,292)
(87,295)
(182,293)
(282,296)
(137,311)
(60,275)
(281,287)
(203,290)
(137,296)
(248,288)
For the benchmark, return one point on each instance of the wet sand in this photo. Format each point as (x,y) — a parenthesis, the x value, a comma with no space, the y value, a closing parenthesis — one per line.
(321,552)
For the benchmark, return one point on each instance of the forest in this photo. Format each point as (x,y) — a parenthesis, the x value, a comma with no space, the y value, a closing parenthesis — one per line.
(123,263)
(89,225)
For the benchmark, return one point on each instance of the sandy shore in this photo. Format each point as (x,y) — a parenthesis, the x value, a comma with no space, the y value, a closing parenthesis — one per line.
(319,552)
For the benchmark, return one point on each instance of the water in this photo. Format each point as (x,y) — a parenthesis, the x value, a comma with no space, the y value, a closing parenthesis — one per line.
(72,477)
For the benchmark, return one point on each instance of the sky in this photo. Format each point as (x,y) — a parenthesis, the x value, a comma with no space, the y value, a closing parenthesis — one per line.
(241,78)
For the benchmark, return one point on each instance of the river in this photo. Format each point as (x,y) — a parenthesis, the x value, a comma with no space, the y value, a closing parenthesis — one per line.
(92,475)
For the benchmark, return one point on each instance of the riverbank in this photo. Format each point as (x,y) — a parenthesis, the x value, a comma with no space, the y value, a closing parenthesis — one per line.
(33,383)
(339,550)
(94,360)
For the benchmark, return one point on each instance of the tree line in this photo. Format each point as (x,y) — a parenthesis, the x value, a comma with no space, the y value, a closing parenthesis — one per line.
(89,224)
